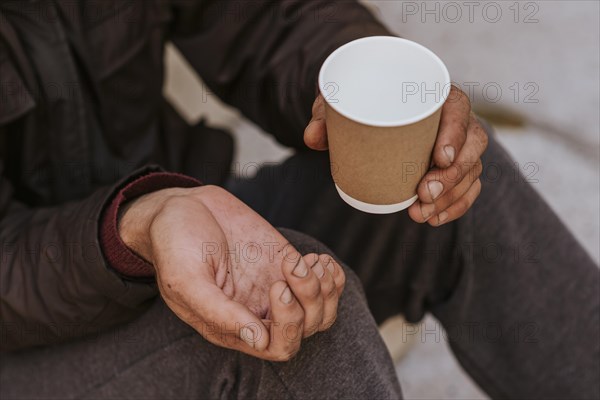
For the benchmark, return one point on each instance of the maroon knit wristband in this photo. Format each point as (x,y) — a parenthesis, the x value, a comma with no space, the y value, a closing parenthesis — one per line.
(119,256)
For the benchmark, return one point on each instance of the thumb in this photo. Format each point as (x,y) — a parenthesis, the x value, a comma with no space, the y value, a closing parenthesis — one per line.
(315,134)
(454,123)
(232,324)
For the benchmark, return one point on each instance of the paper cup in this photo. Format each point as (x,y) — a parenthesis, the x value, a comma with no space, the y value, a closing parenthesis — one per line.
(383,98)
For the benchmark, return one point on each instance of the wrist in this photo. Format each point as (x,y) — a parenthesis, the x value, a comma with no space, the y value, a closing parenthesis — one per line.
(136,217)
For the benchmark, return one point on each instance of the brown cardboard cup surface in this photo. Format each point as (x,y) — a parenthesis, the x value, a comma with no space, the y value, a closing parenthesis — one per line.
(379,165)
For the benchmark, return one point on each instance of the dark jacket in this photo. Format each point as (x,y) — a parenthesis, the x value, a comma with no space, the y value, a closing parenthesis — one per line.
(82,114)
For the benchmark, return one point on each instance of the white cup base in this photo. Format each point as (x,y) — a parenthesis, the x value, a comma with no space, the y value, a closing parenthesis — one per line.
(375,208)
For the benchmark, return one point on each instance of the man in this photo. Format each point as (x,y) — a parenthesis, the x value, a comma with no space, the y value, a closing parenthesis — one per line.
(102,223)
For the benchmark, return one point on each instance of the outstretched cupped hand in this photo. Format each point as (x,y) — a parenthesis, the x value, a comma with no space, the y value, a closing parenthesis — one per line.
(234,278)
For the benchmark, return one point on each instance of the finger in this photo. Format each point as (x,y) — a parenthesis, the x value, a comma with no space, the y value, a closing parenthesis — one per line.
(307,288)
(421,212)
(329,293)
(459,207)
(315,134)
(452,133)
(224,322)
(318,108)
(437,182)
(287,326)
(337,272)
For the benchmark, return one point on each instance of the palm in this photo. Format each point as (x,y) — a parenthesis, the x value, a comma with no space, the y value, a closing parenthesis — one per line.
(241,252)
(222,269)
(251,254)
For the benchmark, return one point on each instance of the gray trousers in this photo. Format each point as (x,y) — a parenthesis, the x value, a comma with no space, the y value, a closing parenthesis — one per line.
(516,293)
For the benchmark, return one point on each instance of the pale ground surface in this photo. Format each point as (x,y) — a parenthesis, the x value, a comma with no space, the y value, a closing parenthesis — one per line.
(561,140)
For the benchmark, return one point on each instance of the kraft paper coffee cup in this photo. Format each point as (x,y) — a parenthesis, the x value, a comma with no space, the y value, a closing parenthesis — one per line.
(383,98)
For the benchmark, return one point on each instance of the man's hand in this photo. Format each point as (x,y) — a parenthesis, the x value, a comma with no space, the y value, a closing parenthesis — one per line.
(229,274)
(450,188)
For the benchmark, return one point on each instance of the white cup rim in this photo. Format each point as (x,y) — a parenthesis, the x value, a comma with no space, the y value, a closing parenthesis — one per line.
(400,122)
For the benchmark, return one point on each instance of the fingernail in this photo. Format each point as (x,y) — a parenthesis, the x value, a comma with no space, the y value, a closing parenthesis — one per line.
(427,210)
(330,266)
(318,269)
(435,188)
(286,296)
(247,335)
(442,217)
(300,270)
(450,153)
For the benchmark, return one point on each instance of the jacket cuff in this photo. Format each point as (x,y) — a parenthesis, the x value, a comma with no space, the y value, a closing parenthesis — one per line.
(120,257)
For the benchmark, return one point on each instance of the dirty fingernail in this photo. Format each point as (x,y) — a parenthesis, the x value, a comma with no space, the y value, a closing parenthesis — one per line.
(435,188)
(450,153)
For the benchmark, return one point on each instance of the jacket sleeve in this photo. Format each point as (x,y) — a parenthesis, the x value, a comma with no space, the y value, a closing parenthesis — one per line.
(56,282)
(263,56)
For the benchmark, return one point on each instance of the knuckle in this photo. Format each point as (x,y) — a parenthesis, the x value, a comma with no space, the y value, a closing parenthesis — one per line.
(476,171)
(177,203)
(453,175)
(456,92)
(311,329)
(461,96)
(215,190)
(312,289)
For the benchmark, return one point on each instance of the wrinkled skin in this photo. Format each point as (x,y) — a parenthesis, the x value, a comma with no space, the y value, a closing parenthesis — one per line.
(222,268)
